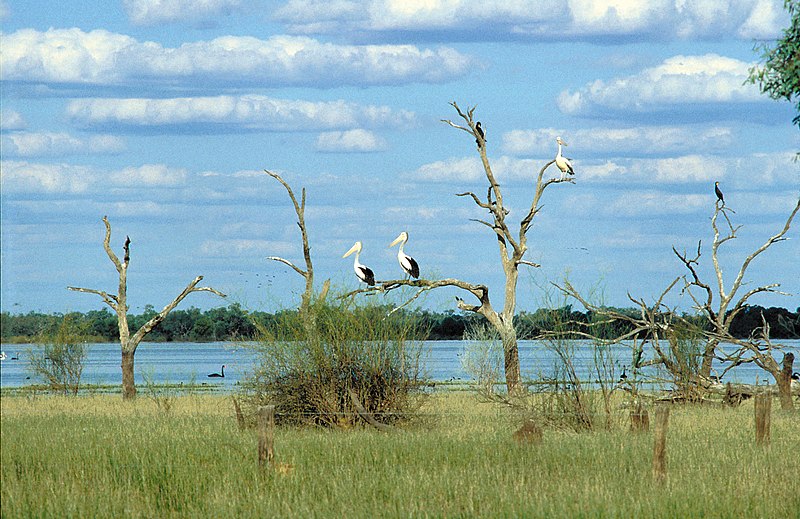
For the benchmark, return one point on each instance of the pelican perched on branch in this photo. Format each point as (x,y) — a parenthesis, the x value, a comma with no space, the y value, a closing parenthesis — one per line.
(363,272)
(406,262)
(563,163)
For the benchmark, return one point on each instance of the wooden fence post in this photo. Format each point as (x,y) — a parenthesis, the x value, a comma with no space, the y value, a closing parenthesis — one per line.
(660,443)
(266,435)
(763,409)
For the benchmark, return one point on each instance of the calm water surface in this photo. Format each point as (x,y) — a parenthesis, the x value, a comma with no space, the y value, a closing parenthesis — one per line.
(176,363)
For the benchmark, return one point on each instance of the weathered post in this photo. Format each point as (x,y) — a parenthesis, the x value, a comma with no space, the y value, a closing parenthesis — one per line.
(763,409)
(266,435)
(640,418)
(239,415)
(660,444)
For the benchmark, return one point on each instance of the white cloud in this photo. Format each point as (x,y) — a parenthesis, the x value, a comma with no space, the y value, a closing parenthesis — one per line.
(541,19)
(239,247)
(11,120)
(749,172)
(149,175)
(639,140)
(247,111)
(16,176)
(32,144)
(357,140)
(102,57)
(470,169)
(679,80)
(151,12)
(31,177)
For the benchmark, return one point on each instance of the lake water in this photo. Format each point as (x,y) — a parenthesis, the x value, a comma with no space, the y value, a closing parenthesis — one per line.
(176,363)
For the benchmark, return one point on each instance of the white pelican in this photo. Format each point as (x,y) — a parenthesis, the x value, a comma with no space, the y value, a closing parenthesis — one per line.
(362,271)
(3,355)
(406,262)
(563,163)
(719,193)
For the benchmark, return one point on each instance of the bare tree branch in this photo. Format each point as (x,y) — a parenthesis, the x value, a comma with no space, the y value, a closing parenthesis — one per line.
(109,299)
(158,318)
(308,273)
(289,263)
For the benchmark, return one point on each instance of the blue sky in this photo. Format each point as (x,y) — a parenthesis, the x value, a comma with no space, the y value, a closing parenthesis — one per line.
(162,115)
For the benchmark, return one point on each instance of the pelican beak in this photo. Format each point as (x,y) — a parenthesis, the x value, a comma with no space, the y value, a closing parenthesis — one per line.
(396,241)
(354,248)
(564,143)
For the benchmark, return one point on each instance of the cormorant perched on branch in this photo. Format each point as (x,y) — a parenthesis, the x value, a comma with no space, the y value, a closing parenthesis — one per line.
(127,248)
(719,193)
(480,132)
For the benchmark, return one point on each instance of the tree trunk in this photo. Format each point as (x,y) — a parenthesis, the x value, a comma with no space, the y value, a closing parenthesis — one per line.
(708,359)
(128,384)
(784,381)
(511,356)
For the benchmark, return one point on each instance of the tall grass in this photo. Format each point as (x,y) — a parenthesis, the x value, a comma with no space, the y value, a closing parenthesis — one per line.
(99,457)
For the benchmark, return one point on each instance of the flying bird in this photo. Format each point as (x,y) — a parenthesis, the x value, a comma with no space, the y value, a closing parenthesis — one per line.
(480,132)
(408,263)
(563,163)
(719,193)
(363,272)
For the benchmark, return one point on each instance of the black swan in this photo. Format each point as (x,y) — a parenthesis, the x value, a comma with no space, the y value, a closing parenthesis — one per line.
(218,375)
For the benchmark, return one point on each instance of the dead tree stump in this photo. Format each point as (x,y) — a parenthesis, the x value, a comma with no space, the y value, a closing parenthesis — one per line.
(763,410)
(529,433)
(640,418)
(266,435)
(660,444)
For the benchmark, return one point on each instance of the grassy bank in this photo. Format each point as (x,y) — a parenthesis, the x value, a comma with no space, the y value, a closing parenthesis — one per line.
(97,456)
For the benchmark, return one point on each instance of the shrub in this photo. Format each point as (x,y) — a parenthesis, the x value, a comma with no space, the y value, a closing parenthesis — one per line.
(312,365)
(60,360)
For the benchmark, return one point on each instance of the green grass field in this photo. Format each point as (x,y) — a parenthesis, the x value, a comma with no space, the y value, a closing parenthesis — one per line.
(96,456)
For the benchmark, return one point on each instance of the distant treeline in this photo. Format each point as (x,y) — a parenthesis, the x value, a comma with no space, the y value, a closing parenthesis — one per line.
(234,323)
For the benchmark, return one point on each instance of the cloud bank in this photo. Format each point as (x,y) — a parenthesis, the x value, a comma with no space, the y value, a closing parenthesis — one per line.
(677,81)
(100,57)
(246,111)
(539,19)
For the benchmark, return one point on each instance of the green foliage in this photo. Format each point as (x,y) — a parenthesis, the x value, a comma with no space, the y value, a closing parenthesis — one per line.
(779,77)
(59,360)
(309,365)
(235,323)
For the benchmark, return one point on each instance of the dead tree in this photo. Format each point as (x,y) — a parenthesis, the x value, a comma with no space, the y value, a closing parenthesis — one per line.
(511,245)
(720,312)
(307,274)
(119,303)
(663,326)
(657,325)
